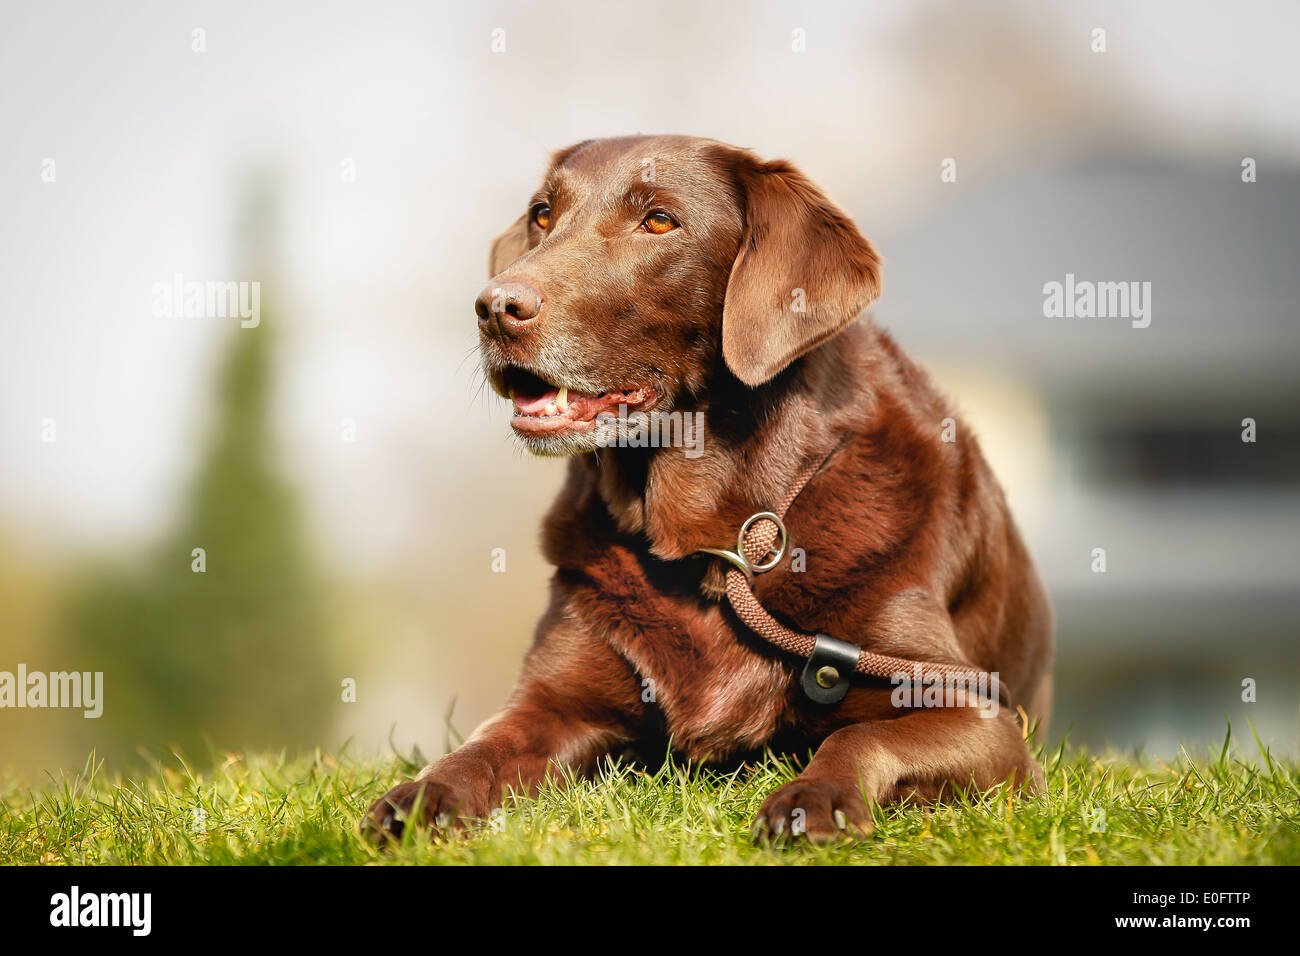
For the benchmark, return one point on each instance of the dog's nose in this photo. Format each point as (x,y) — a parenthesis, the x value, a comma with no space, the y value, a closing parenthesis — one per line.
(503,308)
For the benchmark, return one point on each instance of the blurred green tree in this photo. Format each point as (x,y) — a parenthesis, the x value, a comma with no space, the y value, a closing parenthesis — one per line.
(234,655)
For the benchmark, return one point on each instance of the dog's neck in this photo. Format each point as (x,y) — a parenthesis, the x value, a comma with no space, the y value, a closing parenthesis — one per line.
(755,442)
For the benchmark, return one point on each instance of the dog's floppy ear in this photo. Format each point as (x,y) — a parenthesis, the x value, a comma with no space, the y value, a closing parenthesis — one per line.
(802,274)
(508,246)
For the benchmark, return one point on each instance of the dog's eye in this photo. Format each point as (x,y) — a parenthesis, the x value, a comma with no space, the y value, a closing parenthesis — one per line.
(659,223)
(542,215)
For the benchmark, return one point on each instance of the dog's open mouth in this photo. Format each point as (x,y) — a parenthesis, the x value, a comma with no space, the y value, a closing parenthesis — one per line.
(542,408)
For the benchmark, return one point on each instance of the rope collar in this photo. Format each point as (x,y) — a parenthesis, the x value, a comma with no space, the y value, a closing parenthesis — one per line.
(760,547)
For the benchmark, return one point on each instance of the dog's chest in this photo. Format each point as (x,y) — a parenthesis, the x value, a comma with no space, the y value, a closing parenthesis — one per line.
(718,691)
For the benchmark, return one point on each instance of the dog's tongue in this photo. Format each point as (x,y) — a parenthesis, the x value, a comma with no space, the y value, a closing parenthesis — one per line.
(531,405)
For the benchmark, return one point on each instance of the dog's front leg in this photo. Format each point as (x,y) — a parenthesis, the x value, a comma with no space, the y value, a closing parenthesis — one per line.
(919,753)
(576,700)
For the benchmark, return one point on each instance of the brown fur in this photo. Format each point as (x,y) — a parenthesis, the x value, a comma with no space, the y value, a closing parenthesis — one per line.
(910,547)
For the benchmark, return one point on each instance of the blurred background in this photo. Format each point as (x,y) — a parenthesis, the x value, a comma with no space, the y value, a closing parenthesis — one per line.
(347,478)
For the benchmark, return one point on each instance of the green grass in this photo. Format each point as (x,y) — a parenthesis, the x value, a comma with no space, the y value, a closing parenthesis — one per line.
(262,809)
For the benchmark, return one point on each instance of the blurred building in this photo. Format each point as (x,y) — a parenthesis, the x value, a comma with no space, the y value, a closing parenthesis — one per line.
(1142,426)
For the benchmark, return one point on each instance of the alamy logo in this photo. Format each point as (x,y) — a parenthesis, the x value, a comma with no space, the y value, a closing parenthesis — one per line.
(179,299)
(940,690)
(1084,299)
(75,908)
(652,430)
(75,689)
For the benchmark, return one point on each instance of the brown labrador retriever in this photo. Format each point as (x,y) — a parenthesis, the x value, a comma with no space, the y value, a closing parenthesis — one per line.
(667,274)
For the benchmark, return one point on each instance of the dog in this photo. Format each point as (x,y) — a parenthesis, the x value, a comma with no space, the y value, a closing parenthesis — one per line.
(661,275)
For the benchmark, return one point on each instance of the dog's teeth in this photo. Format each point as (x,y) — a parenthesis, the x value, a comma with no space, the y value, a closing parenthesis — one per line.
(562,401)
(551,409)
(510,393)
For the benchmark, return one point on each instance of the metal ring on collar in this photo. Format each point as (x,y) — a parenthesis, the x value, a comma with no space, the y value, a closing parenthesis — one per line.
(778,552)
(737,559)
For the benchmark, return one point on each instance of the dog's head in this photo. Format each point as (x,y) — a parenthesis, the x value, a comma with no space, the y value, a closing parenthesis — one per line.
(646,264)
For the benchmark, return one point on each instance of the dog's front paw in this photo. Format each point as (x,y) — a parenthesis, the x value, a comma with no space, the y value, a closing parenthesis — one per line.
(428,802)
(1029,777)
(819,811)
